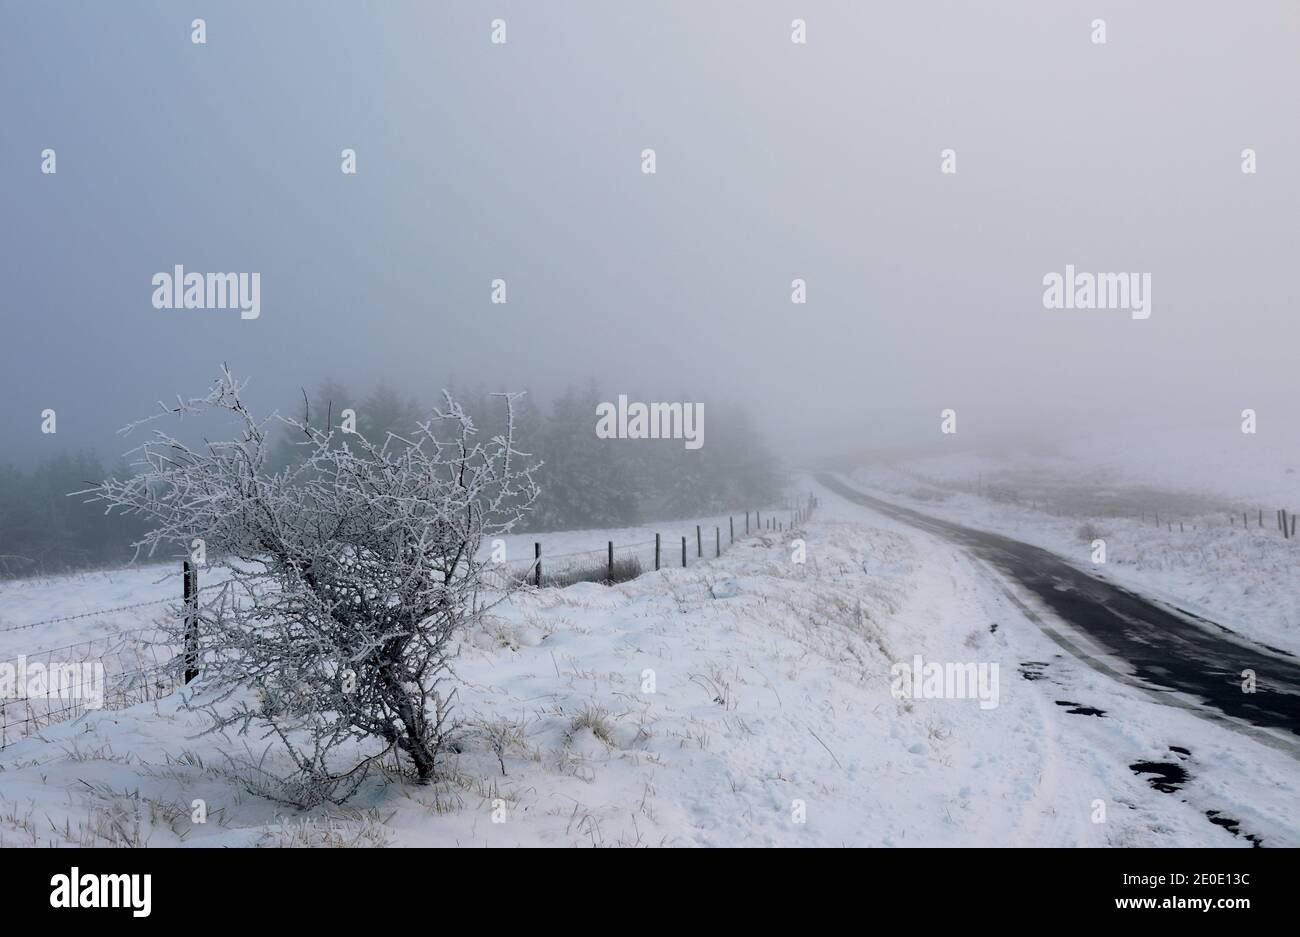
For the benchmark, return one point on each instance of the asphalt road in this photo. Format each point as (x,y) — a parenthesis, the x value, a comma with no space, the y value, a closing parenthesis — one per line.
(1163,648)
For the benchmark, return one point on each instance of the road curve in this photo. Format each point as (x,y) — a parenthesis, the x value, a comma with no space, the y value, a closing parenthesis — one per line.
(1163,648)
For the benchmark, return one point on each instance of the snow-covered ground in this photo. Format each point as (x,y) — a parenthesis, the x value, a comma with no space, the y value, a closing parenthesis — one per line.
(745,700)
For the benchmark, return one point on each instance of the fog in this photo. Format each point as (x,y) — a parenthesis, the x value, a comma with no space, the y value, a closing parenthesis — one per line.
(774,161)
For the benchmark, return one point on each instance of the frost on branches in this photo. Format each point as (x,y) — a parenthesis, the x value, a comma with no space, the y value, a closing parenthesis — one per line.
(348,574)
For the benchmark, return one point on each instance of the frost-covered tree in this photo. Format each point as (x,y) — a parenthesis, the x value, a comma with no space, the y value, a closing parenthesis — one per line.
(349,573)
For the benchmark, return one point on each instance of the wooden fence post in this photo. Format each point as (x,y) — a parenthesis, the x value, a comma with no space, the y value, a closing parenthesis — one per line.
(683,552)
(731,522)
(746,522)
(1293,525)
(611,562)
(537,560)
(190,589)
(656,552)
(717,541)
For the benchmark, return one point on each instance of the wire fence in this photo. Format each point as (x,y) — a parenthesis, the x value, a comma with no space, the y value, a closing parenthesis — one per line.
(620,562)
(96,613)
(1175,512)
(123,668)
(58,684)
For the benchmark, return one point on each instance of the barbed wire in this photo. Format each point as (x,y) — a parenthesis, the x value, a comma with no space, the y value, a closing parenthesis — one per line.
(105,639)
(101,611)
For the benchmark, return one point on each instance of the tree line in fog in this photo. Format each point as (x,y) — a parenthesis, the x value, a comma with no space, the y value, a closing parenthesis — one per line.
(585,481)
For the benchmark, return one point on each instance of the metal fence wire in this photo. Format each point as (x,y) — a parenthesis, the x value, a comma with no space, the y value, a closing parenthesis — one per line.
(59,684)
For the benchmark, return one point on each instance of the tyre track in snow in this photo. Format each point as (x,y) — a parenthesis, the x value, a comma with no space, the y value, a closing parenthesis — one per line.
(1179,659)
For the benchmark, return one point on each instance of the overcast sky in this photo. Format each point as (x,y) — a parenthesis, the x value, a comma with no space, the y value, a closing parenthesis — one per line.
(774,161)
